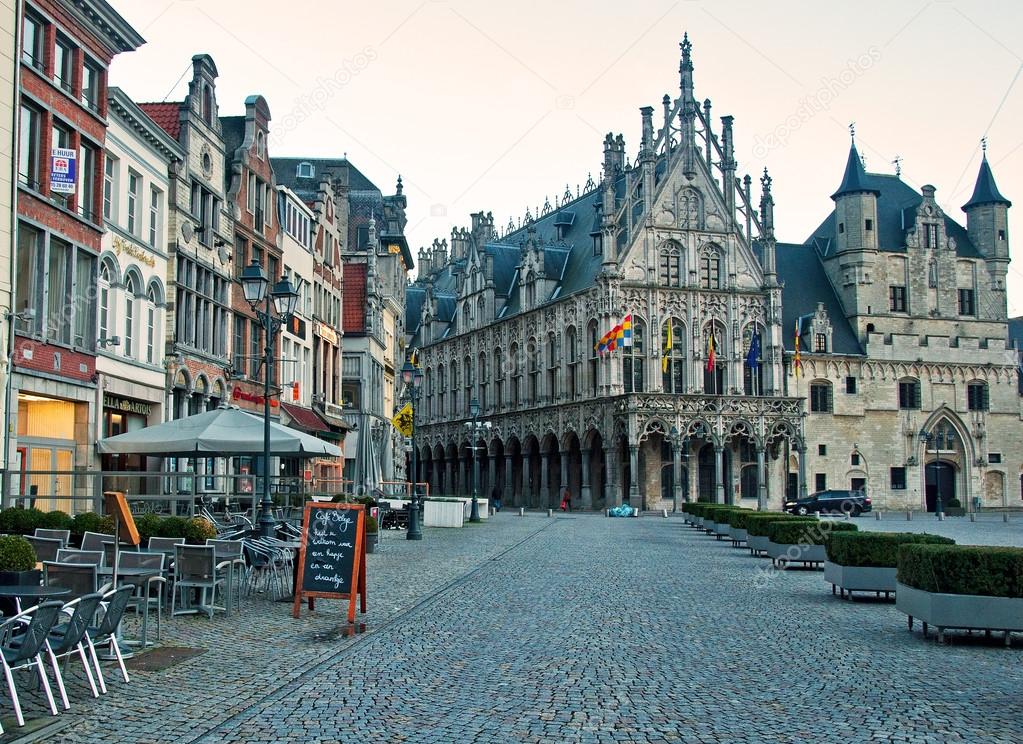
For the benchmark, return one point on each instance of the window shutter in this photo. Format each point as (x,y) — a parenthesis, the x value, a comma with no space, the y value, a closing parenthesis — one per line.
(916,395)
(828,392)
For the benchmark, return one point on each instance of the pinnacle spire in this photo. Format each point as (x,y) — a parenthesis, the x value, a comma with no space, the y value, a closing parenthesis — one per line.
(986,190)
(855,178)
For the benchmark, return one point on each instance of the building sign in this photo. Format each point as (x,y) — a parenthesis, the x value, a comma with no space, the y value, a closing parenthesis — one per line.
(127,405)
(240,394)
(126,246)
(326,333)
(63,170)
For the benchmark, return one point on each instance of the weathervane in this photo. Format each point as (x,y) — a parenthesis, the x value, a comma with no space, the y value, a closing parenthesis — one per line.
(852,131)
(983,145)
(898,165)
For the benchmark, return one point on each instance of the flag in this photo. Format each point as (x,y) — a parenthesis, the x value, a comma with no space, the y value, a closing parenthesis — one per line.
(711,357)
(626,334)
(613,337)
(414,360)
(797,363)
(402,420)
(667,349)
(753,356)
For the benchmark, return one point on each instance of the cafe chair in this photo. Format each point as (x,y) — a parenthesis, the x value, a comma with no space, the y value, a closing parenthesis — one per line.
(81,557)
(109,552)
(95,540)
(46,548)
(231,562)
(195,567)
(63,535)
(80,578)
(114,603)
(143,599)
(26,649)
(68,638)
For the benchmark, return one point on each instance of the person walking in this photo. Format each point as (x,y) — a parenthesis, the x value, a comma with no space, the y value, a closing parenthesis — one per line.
(566,500)
(495,499)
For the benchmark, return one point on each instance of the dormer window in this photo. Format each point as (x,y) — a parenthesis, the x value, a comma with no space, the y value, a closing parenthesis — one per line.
(305,170)
(930,236)
(820,343)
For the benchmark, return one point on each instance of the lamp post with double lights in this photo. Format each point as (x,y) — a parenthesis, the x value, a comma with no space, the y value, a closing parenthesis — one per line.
(476,427)
(680,444)
(278,307)
(943,436)
(412,379)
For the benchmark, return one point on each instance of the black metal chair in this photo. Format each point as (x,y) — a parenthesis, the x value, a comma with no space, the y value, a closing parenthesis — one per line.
(63,535)
(81,579)
(195,567)
(105,631)
(46,548)
(143,597)
(26,648)
(68,638)
(81,557)
(95,540)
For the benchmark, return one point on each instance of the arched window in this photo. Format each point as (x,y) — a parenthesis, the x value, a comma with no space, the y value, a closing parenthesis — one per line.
(207,105)
(673,356)
(481,311)
(572,359)
(534,371)
(442,386)
(456,407)
(670,264)
(131,291)
(260,145)
(106,320)
(181,394)
(710,269)
(593,359)
(752,361)
(498,379)
(516,375)
(468,380)
(483,380)
(466,317)
(632,358)
(551,355)
(151,325)
(714,359)
(428,391)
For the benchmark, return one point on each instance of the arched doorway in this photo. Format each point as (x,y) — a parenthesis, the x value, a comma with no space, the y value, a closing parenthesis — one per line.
(941,480)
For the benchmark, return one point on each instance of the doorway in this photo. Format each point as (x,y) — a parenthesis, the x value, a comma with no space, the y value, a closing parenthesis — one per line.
(941,480)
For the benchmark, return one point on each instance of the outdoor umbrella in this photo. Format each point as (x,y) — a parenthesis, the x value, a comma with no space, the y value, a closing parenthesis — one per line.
(225,432)
(367,474)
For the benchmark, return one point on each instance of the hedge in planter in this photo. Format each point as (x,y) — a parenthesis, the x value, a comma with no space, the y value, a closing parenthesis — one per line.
(875,549)
(790,532)
(756,522)
(962,569)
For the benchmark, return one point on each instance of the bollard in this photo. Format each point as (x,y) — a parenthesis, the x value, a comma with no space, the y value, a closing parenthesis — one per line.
(877,516)
(522,511)
(909,516)
(847,516)
(664,513)
(941,516)
(1005,516)
(973,516)
(550,512)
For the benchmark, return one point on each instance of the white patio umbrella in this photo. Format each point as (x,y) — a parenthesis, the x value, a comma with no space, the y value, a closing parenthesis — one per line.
(227,431)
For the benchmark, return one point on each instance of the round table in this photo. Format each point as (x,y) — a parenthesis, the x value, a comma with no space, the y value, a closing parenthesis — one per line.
(32,590)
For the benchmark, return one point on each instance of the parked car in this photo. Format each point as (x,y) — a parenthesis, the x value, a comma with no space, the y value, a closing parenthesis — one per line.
(831,502)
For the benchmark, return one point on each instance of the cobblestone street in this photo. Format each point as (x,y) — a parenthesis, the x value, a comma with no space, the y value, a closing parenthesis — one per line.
(573,629)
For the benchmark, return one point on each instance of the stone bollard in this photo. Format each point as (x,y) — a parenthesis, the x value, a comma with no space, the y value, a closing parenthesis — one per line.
(664,513)
(941,516)
(1005,516)
(847,516)
(550,512)
(522,511)
(973,516)
(877,516)
(909,516)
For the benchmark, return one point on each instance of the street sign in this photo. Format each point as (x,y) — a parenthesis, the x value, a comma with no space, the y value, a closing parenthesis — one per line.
(63,170)
(402,420)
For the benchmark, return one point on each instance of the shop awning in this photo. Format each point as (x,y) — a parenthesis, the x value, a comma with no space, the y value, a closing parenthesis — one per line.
(305,418)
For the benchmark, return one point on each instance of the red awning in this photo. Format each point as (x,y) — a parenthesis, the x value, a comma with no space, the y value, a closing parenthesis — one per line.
(304,418)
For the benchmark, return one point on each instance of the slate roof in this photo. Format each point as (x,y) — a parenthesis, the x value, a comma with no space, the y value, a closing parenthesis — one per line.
(165,115)
(855,179)
(896,214)
(353,298)
(985,191)
(805,284)
(286,171)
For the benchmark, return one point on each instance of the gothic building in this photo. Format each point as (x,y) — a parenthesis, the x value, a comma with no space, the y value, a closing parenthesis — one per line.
(900,380)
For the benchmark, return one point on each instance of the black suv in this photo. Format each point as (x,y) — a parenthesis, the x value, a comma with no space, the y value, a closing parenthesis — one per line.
(831,502)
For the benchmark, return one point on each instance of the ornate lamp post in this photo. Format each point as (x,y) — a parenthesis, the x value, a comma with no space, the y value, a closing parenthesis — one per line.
(474,411)
(412,379)
(278,307)
(943,436)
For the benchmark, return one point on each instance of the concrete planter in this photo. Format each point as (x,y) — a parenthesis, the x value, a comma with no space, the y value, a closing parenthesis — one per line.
(859,578)
(757,543)
(960,611)
(442,514)
(783,553)
(698,521)
(737,535)
(723,529)
(710,527)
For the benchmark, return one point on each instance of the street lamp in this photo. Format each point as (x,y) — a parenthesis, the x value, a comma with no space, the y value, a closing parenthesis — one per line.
(279,306)
(474,411)
(943,436)
(412,379)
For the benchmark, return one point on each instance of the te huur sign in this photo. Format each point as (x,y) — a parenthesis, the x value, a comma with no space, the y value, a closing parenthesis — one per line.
(332,561)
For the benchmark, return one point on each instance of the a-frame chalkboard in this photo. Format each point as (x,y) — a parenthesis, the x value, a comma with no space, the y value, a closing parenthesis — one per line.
(332,560)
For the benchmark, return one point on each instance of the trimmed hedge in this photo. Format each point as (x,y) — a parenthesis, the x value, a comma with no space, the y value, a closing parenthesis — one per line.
(962,569)
(740,518)
(875,549)
(805,533)
(719,512)
(756,523)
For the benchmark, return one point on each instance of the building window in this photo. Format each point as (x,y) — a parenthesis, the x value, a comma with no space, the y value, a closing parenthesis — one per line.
(841,228)
(104,301)
(898,479)
(995,458)
(552,367)
(822,450)
(977,396)
(134,184)
(87,182)
(442,387)
(155,216)
(632,359)
(930,236)
(670,266)
(151,326)
(63,58)
(534,371)
(33,35)
(820,343)
(202,315)
(573,363)
(90,86)
(710,270)
(850,385)
(897,299)
(1001,234)
(909,394)
(854,459)
(255,348)
(820,482)
(869,225)
(673,359)
(593,363)
(598,247)
(131,291)
(966,304)
(206,211)
(305,170)
(28,148)
(60,136)
(109,187)
(820,397)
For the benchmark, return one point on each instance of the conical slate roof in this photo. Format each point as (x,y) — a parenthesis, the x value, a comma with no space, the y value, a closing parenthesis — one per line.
(986,190)
(855,179)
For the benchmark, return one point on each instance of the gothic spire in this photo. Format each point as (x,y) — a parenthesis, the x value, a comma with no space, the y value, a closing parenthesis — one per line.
(855,179)
(986,190)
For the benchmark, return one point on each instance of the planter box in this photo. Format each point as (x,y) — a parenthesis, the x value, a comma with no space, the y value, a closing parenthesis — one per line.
(859,578)
(781,552)
(708,526)
(723,529)
(442,514)
(757,543)
(960,611)
(698,521)
(737,535)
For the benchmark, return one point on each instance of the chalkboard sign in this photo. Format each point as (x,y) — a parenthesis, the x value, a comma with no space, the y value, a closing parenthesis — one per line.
(332,560)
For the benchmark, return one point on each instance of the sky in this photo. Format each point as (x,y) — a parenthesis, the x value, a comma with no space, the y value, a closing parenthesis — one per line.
(496,106)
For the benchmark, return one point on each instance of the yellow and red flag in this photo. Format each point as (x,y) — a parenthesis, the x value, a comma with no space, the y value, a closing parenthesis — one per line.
(711,355)
(797,362)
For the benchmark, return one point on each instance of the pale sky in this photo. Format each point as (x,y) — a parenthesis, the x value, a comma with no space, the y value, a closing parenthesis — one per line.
(497,105)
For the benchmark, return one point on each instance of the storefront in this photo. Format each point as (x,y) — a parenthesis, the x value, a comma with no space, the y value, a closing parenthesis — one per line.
(49,433)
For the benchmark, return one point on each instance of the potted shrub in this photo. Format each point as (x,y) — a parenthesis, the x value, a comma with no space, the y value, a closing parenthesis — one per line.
(953,508)
(17,566)
(866,561)
(797,541)
(714,515)
(372,533)
(756,528)
(197,530)
(737,525)
(968,587)
(722,525)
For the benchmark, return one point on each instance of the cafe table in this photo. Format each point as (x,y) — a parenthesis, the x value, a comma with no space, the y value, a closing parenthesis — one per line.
(32,591)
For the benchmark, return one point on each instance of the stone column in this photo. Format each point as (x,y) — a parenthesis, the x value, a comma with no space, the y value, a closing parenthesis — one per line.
(545,481)
(525,480)
(761,480)
(509,481)
(802,472)
(585,497)
(491,476)
(676,469)
(719,474)
(613,492)
(564,476)
(634,499)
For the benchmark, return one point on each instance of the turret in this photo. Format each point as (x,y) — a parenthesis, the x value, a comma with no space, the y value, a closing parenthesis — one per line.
(987,215)
(856,207)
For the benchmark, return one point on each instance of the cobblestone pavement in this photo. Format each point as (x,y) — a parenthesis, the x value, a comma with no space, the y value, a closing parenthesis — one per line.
(573,629)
